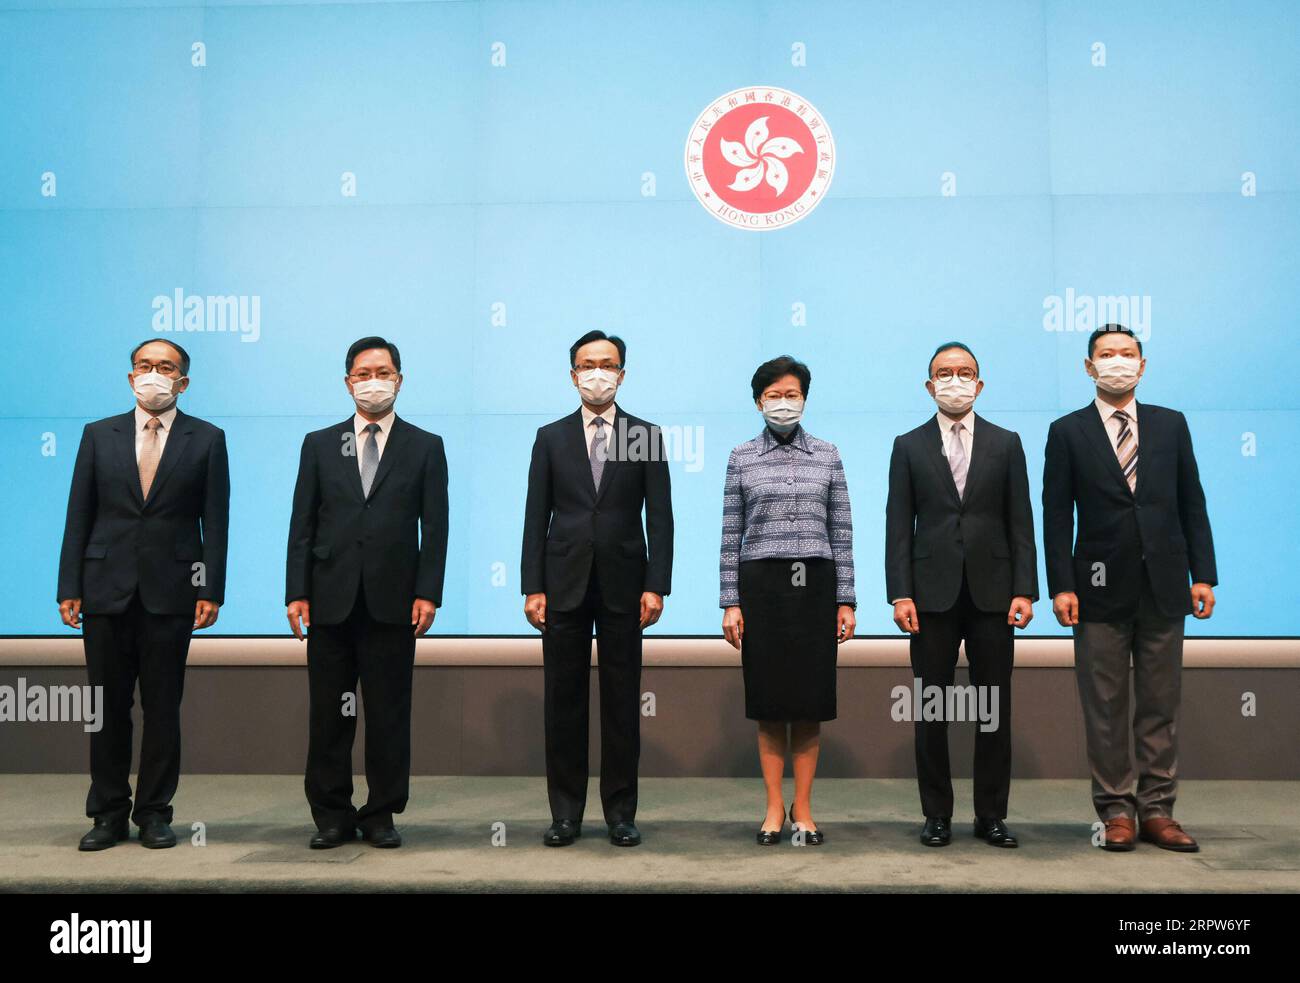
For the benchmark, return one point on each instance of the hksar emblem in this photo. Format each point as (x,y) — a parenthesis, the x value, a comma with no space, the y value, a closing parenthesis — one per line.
(760,158)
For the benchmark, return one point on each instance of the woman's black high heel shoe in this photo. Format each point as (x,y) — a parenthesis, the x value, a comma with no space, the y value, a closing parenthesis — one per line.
(771,837)
(811,837)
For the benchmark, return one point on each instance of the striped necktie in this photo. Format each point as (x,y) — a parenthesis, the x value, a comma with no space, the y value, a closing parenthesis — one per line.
(1126,449)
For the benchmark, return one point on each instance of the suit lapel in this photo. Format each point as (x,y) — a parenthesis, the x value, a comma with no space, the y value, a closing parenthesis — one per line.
(614,461)
(173,450)
(124,428)
(979,453)
(351,464)
(393,447)
(1099,437)
(1145,428)
(576,440)
(934,451)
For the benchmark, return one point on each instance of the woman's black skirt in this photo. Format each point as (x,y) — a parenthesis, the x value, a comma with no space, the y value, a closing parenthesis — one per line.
(789,649)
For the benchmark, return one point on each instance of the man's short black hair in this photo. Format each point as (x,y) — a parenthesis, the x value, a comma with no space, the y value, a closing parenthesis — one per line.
(185,356)
(774,369)
(374,341)
(1106,329)
(943,348)
(591,336)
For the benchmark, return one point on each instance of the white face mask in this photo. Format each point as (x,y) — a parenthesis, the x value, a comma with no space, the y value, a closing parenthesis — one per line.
(954,395)
(375,395)
(154,390)
(1117,374)
(598,385)
(783,415)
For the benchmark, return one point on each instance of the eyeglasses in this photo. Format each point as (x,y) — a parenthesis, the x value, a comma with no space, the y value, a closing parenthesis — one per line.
(965,374)
(588,366)
(365,375)
(166,368)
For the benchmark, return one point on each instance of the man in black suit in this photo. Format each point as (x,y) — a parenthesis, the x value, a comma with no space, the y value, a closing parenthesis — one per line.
(1128,470)
(367,554)
(143,565)
(959,549)
(585,562)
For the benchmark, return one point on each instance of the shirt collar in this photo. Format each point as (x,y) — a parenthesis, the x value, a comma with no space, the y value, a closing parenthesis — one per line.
(607,416)
(946,422)
(167,416)
(359,423)
(800,440)
(1107,411)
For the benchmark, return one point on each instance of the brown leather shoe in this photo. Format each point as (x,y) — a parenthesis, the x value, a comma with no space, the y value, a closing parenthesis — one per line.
(1120,833)
(1167,834)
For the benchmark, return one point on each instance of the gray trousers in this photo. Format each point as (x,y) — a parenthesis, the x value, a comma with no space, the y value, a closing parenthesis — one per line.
(1102,653)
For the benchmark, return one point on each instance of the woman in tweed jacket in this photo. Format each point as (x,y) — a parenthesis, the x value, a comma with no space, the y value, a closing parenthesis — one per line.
(786,573)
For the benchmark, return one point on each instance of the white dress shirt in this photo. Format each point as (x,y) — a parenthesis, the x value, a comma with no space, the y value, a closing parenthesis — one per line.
(359,424)
(1113,425)
(141,418)
(967,435)
(589,429)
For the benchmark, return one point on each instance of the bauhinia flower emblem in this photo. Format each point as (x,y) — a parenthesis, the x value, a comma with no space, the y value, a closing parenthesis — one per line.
(760,158)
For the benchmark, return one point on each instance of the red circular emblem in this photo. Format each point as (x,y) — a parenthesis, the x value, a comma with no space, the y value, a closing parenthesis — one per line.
(760,158)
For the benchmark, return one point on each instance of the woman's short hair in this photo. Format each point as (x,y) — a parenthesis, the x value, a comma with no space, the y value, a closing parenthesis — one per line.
(774,369)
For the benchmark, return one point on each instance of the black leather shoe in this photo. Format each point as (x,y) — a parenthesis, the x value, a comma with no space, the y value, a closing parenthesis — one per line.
(811,837)
(562,832)
(624,834)
(383,837)
(332,836)
(994,832)
(104,834)
(157,835)
(937,831)
(771,837)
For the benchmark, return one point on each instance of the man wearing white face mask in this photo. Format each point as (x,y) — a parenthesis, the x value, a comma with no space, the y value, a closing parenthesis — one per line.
(366,558)
(143,565)
(585,563)
(1128,470)
(960,564)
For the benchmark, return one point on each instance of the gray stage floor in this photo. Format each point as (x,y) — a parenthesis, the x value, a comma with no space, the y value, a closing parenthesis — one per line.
(698,838)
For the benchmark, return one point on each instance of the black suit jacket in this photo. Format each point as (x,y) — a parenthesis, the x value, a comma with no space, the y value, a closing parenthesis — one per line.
(1161,528)
(930,534)
(115,542)
(568,525)
(394,540)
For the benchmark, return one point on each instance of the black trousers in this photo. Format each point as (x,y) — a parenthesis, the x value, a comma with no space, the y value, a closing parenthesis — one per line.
(989,652)
(382,657)
(122,649)
(566,659)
